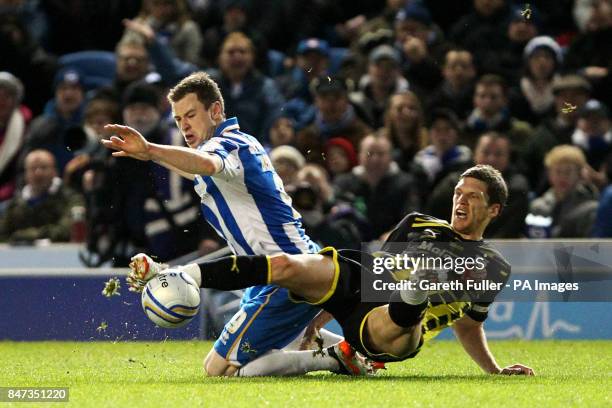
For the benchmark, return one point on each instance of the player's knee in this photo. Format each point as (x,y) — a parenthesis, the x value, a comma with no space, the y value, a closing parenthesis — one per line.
(215,366)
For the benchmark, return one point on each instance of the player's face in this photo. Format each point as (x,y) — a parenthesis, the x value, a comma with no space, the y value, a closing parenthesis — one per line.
(471,210)
(195,122)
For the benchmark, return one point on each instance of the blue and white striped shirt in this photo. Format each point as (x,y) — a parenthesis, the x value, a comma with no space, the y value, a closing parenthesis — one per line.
(246,202)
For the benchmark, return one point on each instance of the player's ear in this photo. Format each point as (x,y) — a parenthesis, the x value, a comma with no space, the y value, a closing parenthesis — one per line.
(494,210)
(217,114)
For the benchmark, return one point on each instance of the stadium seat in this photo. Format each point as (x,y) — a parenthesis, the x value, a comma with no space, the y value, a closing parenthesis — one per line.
(98,67)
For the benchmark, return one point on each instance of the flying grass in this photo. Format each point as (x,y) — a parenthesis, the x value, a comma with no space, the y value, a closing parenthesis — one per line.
(569,373)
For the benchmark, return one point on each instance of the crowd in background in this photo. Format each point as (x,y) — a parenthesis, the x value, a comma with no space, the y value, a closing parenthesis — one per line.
(369,110)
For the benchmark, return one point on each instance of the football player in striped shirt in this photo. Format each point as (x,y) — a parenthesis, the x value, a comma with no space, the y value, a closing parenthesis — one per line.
(244,200)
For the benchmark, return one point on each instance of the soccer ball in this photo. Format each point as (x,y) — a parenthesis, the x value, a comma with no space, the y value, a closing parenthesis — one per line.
(171,299)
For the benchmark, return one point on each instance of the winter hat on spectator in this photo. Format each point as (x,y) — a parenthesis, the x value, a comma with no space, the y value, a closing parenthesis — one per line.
(344,144)
(594,108)
(414,11)
(544,41)
(12,84)
(329,85)
(141,92)
(313,44)
(70,76)
(383,52)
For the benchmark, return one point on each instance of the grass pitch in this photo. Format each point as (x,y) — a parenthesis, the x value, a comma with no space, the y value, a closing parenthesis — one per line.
(569,373)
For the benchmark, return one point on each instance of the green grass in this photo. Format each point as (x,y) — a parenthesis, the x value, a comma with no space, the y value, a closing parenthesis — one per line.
(569,373)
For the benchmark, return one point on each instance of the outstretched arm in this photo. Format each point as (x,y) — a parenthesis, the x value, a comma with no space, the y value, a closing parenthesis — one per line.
(472,336)
(128,142)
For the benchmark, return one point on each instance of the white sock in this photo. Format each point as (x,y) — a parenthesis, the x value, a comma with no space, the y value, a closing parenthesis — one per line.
(285,363)
(413,297)
(192,270)
(329,338)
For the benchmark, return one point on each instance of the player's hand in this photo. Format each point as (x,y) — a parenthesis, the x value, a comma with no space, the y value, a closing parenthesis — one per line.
(128,142)
(142,270)
(517,369)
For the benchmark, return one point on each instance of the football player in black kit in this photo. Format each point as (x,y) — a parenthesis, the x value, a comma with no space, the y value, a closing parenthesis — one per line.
(394,330)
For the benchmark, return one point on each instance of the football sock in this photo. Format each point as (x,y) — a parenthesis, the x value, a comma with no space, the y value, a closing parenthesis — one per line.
(232,272)
(329,338)
(285,363)
(413,296)
(405,314)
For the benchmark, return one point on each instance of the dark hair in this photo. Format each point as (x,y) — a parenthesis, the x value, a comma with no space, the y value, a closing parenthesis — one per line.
(201,84)
(493,79)
(496,185)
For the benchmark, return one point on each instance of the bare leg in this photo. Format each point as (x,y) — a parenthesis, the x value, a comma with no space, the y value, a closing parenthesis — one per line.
(310,276)
(387,337)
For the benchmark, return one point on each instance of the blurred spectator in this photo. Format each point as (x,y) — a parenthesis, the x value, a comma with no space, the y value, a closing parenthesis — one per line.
(282,132)
(30,14)
(483,31)
(235,19)
(132,63)
(61,115)
(443,155)
(602,228)
(24,57)
(14,119)
(493,149)
(456,91)
(248,94)
(383,21)
(491,113)
(382,80)
(287,161)
(508,59)
(422,46)
(590,52)
(582,11)
(535,100)
(327,221)
(43,208)
(136,206)
(568,208)
(85,141)
(312,61)
(171,20)
(340,156)
(334,117)
(405,127)
(593,133)
(571,92)
(375,183)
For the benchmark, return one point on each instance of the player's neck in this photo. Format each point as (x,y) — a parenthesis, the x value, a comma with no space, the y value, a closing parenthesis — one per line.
(215,125)
(472,236)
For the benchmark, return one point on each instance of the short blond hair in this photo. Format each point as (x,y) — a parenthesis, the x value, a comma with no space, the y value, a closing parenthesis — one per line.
(565,154)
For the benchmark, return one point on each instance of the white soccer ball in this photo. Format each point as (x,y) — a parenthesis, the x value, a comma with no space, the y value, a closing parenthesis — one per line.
(171,299)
